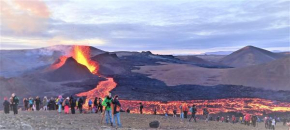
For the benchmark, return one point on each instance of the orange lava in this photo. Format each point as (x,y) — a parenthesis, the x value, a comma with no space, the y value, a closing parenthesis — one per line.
(58,63)
(102,89)
(243,105)
(82,55)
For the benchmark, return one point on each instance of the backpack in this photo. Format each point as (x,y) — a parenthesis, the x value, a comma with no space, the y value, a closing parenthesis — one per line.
(66,102)
(16,99)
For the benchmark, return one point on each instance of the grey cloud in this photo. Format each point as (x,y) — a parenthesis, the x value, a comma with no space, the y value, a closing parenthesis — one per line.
(152,26)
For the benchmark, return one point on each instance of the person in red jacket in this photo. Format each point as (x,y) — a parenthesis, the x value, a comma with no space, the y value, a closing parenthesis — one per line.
(233,119)
(185,109)
(247,119)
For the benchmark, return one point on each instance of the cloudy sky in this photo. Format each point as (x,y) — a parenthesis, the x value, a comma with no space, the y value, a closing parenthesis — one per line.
(161,26)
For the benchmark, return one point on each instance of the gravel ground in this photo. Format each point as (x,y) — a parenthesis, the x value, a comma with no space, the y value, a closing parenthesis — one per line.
(44,120)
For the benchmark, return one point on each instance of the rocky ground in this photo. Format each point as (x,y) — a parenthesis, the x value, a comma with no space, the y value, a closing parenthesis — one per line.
(53,121)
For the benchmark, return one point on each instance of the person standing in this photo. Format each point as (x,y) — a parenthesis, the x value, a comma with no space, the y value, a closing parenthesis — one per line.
(141,108)
(6,105)
(181,112)
(59,103)
(37,103)
(96,105)
(128,110)
(218,119)
(66,105)
(51,104)
(11,105)
(155,111)
(108,109)
(166,113)
(233,119)
(174,112)
(72,105)
(31,101)
(206,113)
(80,104)
(185,109)
(90,103)
(193,112)
(254,120)
(273,124)
(117,108)
(25,102)
(45,103)
(15,101)
(100,107)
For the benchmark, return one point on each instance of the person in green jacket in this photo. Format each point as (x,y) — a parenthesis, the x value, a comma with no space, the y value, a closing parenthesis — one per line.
(108,110)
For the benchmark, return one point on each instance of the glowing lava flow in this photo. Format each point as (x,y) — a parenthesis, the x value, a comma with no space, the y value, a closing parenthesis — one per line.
(102,89)
(244,105)
(82,55)
(58,63)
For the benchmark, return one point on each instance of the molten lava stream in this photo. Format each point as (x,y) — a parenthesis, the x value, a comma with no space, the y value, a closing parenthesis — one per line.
(58,63)
(243,105)
(101,90)
(253,105)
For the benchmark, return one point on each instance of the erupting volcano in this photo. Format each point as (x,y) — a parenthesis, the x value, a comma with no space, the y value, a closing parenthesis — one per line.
(82,55)
(243,105)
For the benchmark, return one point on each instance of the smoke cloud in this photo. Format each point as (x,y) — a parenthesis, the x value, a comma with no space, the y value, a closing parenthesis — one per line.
(24,16)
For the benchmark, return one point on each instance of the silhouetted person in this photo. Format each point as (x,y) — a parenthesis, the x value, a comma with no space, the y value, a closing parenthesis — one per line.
(15,101)
(25,102)
(206,113)
(193,112)
(37,103)
(72,104)
(6,105)
(141,108)
(51,104)
(100,106)
(96,105)
(128,110)
(80,104)
(185,109)
(116,111)
(155,111)
(254,120)
(174,112)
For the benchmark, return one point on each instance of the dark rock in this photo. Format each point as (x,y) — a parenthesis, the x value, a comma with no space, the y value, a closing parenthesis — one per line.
(154,124)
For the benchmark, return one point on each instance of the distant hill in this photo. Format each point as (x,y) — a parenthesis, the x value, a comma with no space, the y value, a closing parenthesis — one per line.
(249,55)
(219,53)
(109,64)
(69,71)
(273,75)
(285,53)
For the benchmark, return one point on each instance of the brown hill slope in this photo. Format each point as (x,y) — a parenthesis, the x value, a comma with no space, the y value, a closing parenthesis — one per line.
(274,75)
(249,55)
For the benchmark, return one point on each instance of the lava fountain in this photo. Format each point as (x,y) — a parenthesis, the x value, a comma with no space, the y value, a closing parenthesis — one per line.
(82,55)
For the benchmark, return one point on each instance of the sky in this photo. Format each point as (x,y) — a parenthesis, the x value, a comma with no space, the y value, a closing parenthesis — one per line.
(160,26)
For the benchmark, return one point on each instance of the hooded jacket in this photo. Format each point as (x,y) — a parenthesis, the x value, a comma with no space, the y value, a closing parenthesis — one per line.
(107,103)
